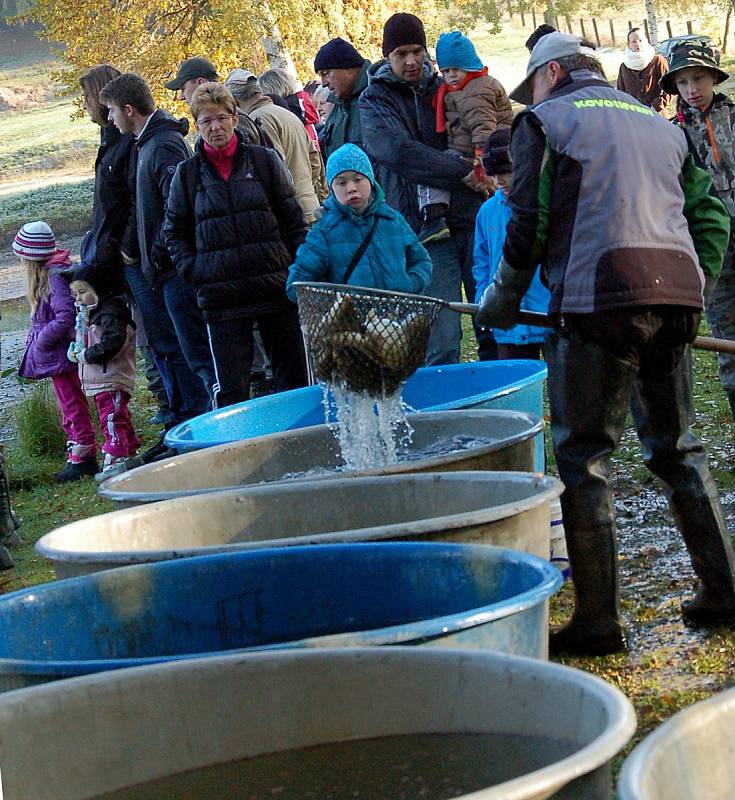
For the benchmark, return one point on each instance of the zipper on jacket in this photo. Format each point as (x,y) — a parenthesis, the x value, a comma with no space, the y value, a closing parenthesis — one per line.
(712,141)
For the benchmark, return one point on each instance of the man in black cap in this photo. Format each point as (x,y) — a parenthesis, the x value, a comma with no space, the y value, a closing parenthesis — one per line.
(626,270)
(399,133)
(345,73)
(192,72)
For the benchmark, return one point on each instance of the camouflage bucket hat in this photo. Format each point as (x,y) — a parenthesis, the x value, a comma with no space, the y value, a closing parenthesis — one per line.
(690,54)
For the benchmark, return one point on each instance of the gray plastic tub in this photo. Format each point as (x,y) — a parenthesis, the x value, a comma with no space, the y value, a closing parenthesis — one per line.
(509,509)
(278,456)
(689,757)
(127,728)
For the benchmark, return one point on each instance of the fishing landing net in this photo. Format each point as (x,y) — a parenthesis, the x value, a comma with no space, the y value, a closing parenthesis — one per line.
(369,340)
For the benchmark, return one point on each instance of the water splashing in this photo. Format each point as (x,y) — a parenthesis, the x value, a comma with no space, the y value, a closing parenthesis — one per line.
(370,430)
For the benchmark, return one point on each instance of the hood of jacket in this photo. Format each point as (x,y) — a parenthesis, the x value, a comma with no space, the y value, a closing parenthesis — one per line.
(381,72)
(162,120)
(378,198)
(59,260)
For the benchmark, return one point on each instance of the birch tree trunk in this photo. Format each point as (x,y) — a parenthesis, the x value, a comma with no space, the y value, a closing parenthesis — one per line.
(652,23)
(270,37)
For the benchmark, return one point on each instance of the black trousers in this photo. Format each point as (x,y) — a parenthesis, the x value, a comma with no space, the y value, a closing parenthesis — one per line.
(231,342)
(599,365)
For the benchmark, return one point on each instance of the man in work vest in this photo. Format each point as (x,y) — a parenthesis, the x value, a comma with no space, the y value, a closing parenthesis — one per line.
(626,263)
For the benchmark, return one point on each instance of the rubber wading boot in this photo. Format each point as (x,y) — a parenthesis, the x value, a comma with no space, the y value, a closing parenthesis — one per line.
(596,627)
(702,524)
(9,523)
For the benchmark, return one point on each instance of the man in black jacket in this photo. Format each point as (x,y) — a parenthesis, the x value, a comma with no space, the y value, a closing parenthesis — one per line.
(170,308)
(399,133)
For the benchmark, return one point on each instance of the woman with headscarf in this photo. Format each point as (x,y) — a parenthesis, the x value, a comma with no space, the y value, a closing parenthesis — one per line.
(641,70)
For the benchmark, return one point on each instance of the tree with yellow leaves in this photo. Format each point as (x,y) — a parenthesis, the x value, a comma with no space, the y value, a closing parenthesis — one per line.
(151,37)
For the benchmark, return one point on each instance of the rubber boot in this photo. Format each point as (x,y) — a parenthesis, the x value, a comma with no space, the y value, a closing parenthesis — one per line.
(671,451)
(731,401)
(596,627)
(702,524)
(9,523)
(586,429)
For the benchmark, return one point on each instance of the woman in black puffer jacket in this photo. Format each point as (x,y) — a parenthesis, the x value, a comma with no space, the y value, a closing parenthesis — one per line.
(233,226)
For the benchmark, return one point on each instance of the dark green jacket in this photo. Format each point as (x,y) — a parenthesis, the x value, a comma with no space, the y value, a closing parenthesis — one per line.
(342,126)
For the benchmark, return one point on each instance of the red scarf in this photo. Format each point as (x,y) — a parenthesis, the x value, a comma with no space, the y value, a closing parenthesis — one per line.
(441,92)
(222,158)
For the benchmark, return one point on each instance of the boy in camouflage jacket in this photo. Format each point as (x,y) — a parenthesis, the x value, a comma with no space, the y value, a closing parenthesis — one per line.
(708,119)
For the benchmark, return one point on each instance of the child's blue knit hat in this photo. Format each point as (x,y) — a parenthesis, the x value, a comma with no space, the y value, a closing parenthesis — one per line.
(454,49)
(351,157)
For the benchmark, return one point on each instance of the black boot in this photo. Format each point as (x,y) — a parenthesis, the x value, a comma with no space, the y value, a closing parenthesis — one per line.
(76,470)
(434,226)
(8,521)
(586,431)
(702,525)
(596,627)
(731,401)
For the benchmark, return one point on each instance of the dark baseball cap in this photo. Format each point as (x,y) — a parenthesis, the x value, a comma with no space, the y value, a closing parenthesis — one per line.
(190,70)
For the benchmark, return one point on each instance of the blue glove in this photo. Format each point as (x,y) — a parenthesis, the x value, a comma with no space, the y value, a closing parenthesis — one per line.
(71,353)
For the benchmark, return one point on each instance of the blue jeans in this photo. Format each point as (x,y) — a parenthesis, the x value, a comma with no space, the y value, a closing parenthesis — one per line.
(446,284)
(191,329)
(187,394)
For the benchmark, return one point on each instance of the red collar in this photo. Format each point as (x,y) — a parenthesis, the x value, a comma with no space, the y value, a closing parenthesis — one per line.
(442,92)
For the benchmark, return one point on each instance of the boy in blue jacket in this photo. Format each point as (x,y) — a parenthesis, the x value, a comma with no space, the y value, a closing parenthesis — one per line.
(356,208)
(521,341)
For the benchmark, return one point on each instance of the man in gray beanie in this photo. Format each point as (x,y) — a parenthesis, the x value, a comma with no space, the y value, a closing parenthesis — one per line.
(345,73)
(399,132)
(626,273)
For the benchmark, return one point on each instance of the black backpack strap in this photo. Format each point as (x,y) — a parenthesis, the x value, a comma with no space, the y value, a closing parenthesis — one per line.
(360,252)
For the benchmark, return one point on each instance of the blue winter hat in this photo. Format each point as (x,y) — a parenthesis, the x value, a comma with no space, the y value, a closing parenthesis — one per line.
(351,157)
(454,49)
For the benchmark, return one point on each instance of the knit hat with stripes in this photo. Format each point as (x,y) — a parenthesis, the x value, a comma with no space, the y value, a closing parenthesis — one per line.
(35,241)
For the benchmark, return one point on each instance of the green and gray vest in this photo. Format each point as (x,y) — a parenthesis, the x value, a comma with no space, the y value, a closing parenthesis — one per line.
(612,201)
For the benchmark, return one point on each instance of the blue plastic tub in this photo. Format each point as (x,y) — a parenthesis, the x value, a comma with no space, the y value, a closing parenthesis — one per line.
(450,595)
(507,385)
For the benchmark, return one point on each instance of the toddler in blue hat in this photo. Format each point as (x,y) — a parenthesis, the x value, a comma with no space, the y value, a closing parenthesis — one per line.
(360,239)
(470,106)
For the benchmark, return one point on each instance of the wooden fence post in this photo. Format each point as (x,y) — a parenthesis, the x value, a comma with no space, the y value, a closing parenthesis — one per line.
(533,17)
(645,26)
(612,32)
(581,27)
(689,27)
(597,35)
(668,27)
(568,20)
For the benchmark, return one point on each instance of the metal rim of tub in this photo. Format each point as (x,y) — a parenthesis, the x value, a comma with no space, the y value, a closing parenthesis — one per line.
(637,763)
(621,717)
(107,489)
(551,488)
(421,630)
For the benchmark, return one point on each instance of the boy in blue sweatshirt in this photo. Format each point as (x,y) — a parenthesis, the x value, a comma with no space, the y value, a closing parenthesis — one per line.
(521,341)
(394,259)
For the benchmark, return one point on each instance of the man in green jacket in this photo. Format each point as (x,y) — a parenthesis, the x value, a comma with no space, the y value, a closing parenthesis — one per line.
(344,72)
(626,268)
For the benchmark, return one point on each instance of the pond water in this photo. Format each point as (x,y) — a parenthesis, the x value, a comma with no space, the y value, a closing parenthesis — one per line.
(15,315)
(426,766)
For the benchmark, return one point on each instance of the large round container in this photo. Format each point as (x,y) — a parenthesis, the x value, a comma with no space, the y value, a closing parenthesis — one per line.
(510,509)
(690,757)
(449,595)
(539,730)
(315,450)
(508,385)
